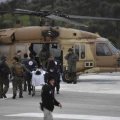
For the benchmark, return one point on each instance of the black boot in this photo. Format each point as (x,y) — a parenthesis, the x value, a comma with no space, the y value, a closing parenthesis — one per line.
(14,96)
(20,96)
(1,96)
(4,95)
(29,93)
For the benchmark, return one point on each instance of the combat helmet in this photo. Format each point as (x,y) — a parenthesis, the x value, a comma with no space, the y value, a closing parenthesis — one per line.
(3,57)
(70,49)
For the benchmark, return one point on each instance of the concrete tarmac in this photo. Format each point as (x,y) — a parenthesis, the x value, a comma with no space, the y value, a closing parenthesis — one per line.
(93,99)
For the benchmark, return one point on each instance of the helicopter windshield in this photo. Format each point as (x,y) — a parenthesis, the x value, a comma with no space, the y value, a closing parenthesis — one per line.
(114,49)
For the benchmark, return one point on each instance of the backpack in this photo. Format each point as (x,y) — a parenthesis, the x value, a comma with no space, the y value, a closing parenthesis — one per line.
(3,70)
(18,69)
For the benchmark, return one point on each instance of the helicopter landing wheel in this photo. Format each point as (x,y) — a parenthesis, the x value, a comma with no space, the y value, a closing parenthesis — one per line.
(66,78)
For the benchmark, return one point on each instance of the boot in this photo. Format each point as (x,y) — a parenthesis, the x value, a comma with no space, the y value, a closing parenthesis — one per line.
(4,95)
(1,96)
(20,96)
(14,96)
(29,93)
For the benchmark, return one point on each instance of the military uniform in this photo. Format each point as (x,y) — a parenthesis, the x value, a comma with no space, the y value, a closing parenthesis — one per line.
(17,72)
(19,57)
(72,59)
(43,57)
(4,72)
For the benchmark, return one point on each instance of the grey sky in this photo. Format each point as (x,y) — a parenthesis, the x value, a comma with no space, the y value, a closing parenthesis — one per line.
(2,0)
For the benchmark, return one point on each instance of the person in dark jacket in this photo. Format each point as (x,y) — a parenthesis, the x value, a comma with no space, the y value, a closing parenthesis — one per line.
(59,70)
(4,72)
(72,58)
(51,70)
(48,100)
(25,77)
(30,64)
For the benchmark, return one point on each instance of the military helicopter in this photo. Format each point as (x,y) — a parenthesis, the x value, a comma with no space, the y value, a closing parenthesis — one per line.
(96,54)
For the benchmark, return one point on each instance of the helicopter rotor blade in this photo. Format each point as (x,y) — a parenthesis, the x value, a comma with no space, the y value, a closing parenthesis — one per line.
(23,10)
(65,20)
(94,18)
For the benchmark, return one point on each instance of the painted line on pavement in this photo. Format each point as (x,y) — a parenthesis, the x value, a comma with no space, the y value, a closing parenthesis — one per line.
(65,116)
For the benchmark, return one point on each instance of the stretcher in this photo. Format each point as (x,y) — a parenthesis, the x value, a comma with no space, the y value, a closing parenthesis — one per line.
(37,80)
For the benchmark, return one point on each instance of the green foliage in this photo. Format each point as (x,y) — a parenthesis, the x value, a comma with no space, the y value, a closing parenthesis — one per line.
(98,8)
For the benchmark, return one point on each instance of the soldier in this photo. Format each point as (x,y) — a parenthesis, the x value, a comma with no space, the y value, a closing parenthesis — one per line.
(43,56)
(17,73)
(4,72)
(72,58)
(19,56)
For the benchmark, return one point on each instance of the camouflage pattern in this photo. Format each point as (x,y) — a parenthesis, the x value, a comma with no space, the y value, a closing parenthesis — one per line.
(43,57)
(19,57)
(17,71)
(71,60)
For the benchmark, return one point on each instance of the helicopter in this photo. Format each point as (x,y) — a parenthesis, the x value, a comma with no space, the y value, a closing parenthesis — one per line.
(96,54)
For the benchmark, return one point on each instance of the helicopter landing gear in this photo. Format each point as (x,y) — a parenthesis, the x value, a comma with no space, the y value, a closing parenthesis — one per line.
(65,77)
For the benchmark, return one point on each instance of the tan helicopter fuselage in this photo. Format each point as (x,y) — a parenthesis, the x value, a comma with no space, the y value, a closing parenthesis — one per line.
(86,45)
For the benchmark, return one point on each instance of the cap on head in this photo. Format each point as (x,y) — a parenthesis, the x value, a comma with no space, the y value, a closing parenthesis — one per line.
(3,57)
(16,59)
(18,51)
(70,49)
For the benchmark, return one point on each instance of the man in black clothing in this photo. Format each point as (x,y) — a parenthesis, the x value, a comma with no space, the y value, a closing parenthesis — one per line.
(4,72)
(48,100)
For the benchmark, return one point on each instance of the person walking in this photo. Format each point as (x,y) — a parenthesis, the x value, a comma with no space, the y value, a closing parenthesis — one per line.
(4,72)
(51,71)
(72,58)
(25,77)
(48,100)
(30,64)
(17,73)
(59,70)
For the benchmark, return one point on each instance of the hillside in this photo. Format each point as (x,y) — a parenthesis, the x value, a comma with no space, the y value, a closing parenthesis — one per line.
(98,8)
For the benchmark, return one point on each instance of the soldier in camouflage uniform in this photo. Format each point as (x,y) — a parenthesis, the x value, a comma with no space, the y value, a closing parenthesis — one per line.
(19,56)
(4,72)
(43,56)
(17,72)
(72,58)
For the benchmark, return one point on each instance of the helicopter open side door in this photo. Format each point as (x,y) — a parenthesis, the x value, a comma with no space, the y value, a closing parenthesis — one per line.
(104,56)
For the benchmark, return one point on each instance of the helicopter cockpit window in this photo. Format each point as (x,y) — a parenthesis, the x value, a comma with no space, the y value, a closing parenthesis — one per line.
(102,50)
(82,51)
(76,48)
(5,50)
